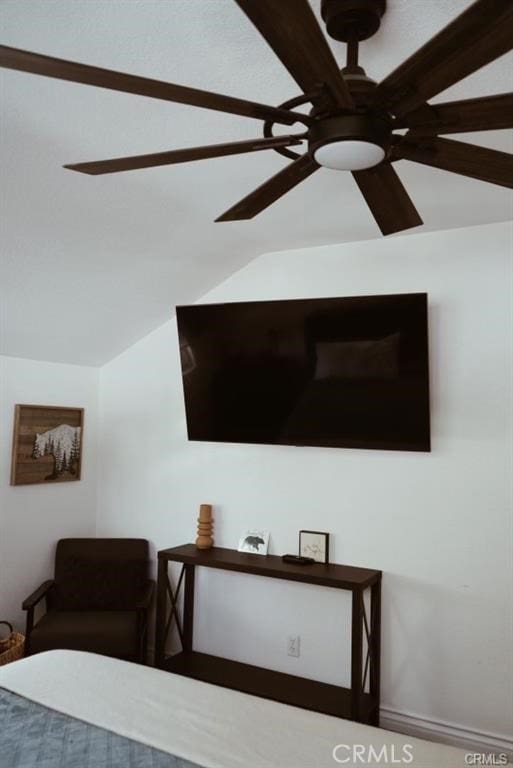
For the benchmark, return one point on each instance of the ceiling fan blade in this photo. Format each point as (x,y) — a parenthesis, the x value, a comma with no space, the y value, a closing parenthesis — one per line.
(488,113)
(458,157)
(479,35)
(387,199)
(181,155)
(271,190)
(292,31)
(37,64)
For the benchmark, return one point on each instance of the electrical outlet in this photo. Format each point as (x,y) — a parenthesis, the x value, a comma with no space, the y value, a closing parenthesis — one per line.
(293,643)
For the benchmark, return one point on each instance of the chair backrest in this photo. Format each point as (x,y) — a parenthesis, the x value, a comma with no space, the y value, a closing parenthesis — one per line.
(99,574)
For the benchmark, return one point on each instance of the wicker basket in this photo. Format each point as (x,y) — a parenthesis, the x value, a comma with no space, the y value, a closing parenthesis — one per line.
(11,647)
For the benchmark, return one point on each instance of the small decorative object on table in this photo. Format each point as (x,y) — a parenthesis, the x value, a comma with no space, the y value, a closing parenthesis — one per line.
(11,644)
(205,525)
(315,544)
(255,542)
(297,560)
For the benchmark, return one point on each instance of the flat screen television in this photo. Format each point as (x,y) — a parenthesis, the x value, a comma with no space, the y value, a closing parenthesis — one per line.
(339,372)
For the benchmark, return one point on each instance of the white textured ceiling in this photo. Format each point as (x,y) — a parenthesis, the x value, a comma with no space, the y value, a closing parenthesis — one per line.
(91,264)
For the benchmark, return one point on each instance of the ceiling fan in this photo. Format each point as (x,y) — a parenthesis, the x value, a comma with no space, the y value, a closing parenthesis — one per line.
(353,120)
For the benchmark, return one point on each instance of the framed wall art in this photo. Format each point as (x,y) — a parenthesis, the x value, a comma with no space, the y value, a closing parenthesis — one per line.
(47,444)
(315,544)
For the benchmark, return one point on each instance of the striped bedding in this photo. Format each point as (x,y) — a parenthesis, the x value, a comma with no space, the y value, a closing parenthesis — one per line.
(34,736)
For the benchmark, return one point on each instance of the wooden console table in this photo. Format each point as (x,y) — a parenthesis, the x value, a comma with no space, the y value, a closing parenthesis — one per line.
(360,702)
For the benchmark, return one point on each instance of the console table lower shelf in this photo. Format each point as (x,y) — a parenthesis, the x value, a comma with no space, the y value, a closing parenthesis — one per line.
(278,686)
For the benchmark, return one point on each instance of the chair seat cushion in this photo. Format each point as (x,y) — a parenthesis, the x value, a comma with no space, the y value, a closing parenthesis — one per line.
(111,633)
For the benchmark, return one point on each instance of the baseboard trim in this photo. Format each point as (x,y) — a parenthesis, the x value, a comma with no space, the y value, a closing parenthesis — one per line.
(445,733)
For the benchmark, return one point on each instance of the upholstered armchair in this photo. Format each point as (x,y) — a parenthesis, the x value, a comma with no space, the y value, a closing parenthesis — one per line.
(98,601)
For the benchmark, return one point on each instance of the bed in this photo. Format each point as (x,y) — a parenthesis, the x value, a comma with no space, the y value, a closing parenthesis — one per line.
(73,709)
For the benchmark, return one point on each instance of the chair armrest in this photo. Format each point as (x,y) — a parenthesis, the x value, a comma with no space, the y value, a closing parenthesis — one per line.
(38,595)
(145,601)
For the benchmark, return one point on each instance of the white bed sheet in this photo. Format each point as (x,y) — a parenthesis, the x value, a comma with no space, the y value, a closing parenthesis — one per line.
(208,725)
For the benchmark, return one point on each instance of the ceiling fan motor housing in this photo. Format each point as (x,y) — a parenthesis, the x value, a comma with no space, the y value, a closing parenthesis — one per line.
(352,20)
(345,134)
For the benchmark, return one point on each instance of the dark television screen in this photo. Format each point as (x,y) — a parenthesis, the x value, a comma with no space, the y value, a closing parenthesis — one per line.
(342,372)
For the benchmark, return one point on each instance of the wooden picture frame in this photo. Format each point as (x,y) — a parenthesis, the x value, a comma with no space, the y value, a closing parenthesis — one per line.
(315,544)
(47,444)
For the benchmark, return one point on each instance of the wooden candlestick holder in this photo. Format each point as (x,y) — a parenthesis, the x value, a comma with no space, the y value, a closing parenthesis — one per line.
(205,539)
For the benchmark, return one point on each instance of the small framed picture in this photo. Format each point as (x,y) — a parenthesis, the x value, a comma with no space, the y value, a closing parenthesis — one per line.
(315,544)
(254,542)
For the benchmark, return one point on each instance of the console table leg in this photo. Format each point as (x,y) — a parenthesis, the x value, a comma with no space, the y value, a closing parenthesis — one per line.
(188,608)
(160,622)
(375,649)
(356,654)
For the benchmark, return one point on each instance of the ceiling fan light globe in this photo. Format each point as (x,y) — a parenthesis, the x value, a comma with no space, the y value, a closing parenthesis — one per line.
(349,155)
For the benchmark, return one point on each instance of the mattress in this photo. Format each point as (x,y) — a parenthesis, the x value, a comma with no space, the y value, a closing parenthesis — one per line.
(194,722)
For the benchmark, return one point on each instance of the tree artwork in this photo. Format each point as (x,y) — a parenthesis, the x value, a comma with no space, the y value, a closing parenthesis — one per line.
(47,444)
(75,446)
(63,443)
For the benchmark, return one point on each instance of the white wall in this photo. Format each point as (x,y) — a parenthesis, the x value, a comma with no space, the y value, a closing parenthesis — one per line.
(34,517)
(438,524)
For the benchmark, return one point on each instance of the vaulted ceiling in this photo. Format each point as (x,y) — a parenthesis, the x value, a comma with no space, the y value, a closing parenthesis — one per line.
(91,264)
